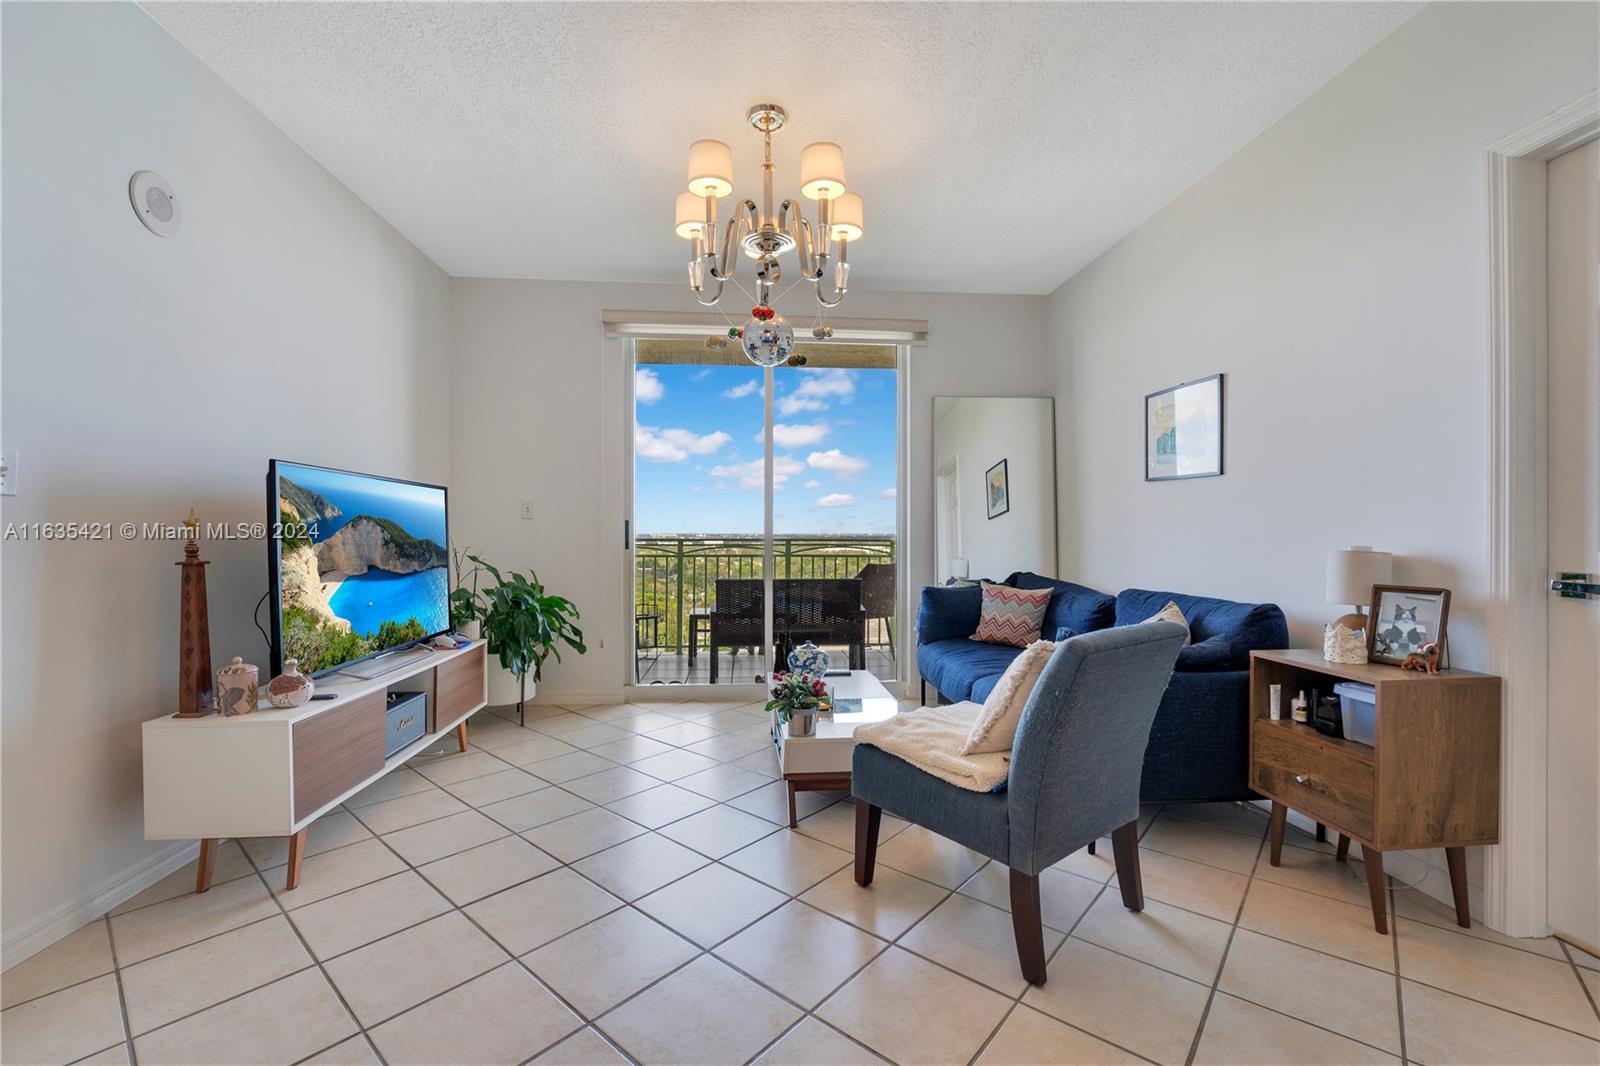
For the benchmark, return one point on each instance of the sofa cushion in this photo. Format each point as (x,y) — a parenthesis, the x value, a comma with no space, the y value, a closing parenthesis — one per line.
(1214,653)
(954,666)
(944,613)
(1011,615)
(1077,607)
(1245,627)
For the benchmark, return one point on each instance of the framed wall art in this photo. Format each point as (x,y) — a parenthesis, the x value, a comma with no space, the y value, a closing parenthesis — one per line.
(1183,431)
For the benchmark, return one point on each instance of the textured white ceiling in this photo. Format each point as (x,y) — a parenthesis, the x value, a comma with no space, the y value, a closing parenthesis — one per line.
(999,147)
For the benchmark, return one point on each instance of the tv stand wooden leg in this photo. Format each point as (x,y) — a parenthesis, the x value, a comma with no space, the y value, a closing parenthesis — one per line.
(1377,889)
(1456,859)
(206,864)
(1280,815)
(793,822)
(297,854)
(461,734)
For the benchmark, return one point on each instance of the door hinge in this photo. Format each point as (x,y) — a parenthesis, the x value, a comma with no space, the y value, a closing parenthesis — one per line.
(1575,586)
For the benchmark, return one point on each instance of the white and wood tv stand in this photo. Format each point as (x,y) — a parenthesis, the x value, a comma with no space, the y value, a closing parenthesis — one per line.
(274,772)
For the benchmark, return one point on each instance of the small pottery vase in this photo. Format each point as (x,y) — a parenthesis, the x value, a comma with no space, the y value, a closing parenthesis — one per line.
(237,688)
(808,659)
(1341,644)
(803,722)
(472,630)
(290,688)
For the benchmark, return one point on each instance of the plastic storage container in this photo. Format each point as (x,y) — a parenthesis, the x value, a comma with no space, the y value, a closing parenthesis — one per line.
(1358,705)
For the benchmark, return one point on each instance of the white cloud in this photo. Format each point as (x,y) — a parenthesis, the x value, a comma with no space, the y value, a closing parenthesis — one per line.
(887,494)
(674,445)
(700,375)
(817,389)
(750,475)
(739,392)
(796,435)
(848,467)
(812,484)
(647,387)
(836,499)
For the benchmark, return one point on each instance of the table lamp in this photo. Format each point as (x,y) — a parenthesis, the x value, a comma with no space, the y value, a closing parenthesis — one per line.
(1352,572)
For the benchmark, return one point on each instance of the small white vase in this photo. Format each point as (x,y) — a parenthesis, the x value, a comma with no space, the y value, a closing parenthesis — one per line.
(472,629)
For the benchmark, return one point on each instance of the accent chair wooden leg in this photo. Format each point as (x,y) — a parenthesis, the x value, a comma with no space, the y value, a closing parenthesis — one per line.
(1342,852)
(1373,861)
(924,693)
(206,864)
(1028,926)
(1125,850)
(461,735)
(1456,859)
(868,820)
(297,854)
(793,821)
(1280,815)
(1091,847)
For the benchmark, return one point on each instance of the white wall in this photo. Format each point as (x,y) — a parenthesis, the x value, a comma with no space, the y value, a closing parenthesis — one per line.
(538,416)
(1335,270)
(144,376)
(977,434)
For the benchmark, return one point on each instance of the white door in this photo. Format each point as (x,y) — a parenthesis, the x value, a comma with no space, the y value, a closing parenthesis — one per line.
(1573,249)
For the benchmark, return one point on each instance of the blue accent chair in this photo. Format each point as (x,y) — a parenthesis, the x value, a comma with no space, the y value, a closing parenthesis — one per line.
(1074,775)
(1199,746)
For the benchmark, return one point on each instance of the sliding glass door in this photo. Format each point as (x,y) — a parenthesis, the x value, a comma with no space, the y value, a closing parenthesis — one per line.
(764,509)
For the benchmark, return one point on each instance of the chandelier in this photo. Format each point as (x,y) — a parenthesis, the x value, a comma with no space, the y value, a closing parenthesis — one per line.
(765,235)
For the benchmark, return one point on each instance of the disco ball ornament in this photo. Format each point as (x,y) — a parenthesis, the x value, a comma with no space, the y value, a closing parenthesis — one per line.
(767,342)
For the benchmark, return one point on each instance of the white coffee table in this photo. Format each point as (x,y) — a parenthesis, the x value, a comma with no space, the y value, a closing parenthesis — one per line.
(822,761)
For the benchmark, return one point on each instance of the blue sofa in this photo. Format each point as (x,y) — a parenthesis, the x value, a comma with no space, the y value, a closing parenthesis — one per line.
(1199,745)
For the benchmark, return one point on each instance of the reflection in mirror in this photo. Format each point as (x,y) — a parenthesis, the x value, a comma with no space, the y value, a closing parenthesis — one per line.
(994,487)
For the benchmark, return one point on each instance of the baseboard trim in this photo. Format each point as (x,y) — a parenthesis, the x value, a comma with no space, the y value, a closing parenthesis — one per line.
(74,914)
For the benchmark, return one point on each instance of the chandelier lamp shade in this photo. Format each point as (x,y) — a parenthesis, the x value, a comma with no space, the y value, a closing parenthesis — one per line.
(766,232)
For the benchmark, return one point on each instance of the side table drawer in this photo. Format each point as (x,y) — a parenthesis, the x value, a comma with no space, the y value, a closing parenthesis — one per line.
(1313,777)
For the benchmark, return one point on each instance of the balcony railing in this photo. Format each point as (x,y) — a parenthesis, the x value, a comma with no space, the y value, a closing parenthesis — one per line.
(676,574)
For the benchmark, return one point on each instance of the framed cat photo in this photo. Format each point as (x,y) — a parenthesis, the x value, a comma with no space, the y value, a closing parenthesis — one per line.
(1403,619)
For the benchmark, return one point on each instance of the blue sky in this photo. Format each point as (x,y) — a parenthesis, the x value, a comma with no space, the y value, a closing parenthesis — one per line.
(698,449)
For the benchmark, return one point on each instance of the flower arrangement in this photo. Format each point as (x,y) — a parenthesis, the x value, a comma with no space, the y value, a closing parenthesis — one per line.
(793,691)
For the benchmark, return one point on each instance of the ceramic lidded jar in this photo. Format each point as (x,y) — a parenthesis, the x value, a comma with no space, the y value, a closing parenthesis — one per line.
(290,688)
(237,688)
(808,659)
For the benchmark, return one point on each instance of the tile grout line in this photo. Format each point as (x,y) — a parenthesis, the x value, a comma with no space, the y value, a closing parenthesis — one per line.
(1222,962)
(1399,985)
(1566,950)
(122,995)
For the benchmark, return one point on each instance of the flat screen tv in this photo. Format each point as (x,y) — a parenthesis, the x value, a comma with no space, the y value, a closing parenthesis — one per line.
(359,565)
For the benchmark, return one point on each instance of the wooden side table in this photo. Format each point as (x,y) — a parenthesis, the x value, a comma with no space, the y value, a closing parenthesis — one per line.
(1432,780)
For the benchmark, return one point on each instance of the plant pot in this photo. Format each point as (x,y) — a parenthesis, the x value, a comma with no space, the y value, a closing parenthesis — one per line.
(803,723)
(473,630)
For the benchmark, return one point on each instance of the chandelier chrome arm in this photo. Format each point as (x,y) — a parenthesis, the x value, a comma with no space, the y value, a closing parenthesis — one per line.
(705,252)
(841,277)
(743,221)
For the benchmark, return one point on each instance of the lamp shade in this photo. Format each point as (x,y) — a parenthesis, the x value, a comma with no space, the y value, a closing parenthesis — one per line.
(1354,570)
(690,218)
(821,171)
(710,168)
(847,218)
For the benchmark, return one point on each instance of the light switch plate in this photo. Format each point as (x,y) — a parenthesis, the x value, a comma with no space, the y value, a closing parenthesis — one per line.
(527,508)
(8,473)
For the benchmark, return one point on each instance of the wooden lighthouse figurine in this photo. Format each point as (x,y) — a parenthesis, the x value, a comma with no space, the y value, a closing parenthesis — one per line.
(196,698)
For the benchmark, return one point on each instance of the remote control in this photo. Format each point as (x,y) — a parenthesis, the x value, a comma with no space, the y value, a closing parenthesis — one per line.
(325,696)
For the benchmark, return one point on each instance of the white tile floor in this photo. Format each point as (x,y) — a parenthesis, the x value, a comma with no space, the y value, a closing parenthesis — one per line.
(615,884)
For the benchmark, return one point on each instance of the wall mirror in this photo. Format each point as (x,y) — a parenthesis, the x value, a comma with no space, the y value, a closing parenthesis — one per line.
(994,487)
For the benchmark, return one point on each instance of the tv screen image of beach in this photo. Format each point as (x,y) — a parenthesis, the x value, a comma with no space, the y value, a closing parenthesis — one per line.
(362,565)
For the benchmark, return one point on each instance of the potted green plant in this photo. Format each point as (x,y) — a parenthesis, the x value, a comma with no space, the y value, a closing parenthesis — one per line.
(465,605)
(796,698)
(525,625)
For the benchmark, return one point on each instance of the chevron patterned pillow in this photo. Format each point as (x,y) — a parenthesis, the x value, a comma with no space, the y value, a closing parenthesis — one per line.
(1011,616)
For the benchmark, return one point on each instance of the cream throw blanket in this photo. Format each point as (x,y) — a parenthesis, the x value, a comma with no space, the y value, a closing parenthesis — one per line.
(930,738)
